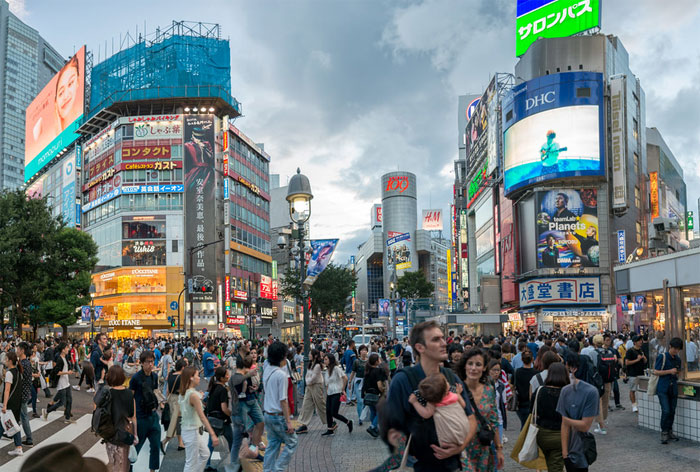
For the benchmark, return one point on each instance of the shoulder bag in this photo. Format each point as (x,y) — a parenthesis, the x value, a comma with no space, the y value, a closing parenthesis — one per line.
(654,379)
(530,451)
(485,434)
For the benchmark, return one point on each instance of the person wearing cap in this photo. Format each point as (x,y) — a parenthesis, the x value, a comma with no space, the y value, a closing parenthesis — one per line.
(61,457)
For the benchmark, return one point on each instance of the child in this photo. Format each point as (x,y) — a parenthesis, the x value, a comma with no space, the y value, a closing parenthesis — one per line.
(445,407)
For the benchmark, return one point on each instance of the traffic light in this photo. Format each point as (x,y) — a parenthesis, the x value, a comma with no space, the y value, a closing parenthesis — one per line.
(172,323)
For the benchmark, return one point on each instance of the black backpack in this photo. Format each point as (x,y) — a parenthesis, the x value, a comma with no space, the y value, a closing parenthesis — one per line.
(102,422)
(607,365)
(592,376)
(53,374)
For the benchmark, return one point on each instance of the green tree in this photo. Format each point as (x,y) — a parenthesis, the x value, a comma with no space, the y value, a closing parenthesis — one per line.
(26,231)
(290,285)
(67,278)
(414,285)
(331,289)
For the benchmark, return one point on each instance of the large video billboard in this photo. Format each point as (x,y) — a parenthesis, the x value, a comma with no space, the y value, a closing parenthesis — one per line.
(567,228)
(553,127)
(200,216)
(553,19)
(53,117)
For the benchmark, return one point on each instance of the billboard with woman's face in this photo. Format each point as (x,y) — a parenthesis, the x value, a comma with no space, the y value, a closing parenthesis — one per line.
(54,115)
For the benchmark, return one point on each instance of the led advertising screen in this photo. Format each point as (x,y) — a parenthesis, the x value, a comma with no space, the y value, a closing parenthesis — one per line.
(53,117)
(553,19)
(567,228)
(553,127)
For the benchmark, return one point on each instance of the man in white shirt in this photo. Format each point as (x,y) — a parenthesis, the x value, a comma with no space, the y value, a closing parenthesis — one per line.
(276,411)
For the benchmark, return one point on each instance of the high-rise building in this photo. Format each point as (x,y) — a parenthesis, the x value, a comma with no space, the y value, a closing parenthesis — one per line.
(27,63)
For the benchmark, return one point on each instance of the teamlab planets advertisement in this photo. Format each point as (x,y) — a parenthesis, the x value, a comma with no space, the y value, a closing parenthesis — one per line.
(567,228)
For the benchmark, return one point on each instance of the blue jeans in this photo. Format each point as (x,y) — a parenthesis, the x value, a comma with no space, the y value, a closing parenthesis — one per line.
(238,428)
(373,418)
(357,389)
(276,436)
(251,409)
(24,417)
(148,428)
(668,401)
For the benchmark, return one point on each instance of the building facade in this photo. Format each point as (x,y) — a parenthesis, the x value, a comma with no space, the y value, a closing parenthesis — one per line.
(27,63)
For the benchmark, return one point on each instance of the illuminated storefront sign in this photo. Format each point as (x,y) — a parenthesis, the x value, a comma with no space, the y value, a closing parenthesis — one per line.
(135,189)
(145,152)
(235,320)
(265,287)
(251,186)
(101,178)
(562,291)
(124,322)
(654,188)
(399,183)
(240,295)
(477,184)
(155,165)
(162,129)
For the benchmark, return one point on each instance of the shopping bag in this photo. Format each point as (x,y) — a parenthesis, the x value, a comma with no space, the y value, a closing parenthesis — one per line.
(42,382)
(9,423)
(529,449)
(654,379)
(133,455)
(365,415)
(539,463)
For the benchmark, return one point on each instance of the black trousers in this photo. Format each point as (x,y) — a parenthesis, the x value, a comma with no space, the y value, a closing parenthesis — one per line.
(332,409)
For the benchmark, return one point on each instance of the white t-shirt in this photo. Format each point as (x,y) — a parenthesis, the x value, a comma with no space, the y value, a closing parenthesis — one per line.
(535,383)
(275,380)
(8,377)
(63,381)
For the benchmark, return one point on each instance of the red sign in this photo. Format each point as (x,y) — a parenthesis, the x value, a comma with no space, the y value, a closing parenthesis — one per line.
(509,256)
(98,166)
(101,178)
(153,165)
(265,287)
(379,214)
(139,119)
(235,320)
(399,183)
(145,152)
(275,289)
(531,320)
(240,295)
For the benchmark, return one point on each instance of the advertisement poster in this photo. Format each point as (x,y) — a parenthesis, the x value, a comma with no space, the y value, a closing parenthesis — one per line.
(383,307)
(398,250)
(52,117)
(553,128)
(480,137)
(321,253)
(567,228)
(200,207)
(68,193)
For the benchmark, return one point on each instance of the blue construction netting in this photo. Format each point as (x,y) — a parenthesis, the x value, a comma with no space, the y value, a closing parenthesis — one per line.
(178,66)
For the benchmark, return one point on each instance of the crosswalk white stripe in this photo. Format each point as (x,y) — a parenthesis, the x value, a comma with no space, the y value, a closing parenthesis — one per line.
(67,434)
(35,425)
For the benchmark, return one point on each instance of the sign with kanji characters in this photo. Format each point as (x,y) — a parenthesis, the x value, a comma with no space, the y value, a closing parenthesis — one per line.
(654,194)
(560,291)
(553,19)
(200,205)
(618,138)
(134,189)
(621,247)
(145,152)
(165,129)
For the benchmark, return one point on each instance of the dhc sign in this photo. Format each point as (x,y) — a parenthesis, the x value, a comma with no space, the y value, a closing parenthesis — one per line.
(539,100)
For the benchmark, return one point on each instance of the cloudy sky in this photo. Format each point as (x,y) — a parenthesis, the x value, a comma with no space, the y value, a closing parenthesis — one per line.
(350,89)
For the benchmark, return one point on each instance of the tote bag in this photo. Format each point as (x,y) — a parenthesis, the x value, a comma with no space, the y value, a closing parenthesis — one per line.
(654,379)
(9,423)
(530,450)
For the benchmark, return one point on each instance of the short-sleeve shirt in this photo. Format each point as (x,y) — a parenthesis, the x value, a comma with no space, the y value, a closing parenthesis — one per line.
(275,382)
(359,368)
(136,384)
(208,364)
(669,381)
(348,360)
(577,401)
(636,369)
(122,406)
(218,396)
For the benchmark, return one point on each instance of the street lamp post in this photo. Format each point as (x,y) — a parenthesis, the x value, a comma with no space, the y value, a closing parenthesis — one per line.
(192,250)
(92,309)
(299,197)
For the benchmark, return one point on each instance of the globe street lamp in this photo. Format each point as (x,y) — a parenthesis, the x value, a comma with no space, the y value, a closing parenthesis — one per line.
(299,197)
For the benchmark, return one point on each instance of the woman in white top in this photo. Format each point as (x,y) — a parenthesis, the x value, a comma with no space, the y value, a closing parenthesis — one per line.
(336,380)
(193,418)
(314,396)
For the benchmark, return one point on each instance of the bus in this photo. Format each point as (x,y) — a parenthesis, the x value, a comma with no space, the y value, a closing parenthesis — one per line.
(365,333)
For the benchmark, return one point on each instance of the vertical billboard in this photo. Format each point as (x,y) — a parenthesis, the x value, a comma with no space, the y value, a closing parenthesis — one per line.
(509,266)
(481,131)
(553,19)
(53,117)
(466,104)
(376,215)
(618,145)
(383,307)
(552,129)
(68,191)
(432,220)
(567,228)
(654,190)
(200,205)
(398,250)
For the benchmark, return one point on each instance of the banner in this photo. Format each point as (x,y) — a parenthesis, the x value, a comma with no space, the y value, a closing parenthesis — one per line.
(567,228)
(432,220)
(654,191)
(398,250)
(85,314)
(265,287)
(68,193)
(383,307)
(322,251)
(200,206)
(618,138)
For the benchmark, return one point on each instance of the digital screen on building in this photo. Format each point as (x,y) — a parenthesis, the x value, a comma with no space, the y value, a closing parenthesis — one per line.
(553,19)
(567,228)
(53,117)
(553,127)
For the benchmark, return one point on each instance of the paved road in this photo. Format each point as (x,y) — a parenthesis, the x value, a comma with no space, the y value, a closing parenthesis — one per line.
(626,447)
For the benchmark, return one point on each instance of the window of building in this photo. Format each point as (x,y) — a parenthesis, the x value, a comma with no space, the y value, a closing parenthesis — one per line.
(636,163)
(637,197)
(635,129)
(639,232)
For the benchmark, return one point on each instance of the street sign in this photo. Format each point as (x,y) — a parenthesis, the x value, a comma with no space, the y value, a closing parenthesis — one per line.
(173,305)
(190,286)
(222,326)
(204,330)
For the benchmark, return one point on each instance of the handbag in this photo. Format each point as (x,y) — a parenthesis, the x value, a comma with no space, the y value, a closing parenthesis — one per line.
(165,416)
(654,379)
(485,434)
(589,448)
(539,463)
(9,423)
(403,467)
(529,450)
(217,424)
(371,399)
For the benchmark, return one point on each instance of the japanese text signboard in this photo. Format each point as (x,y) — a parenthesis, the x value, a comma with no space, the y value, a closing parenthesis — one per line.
(621,247)
(654,190)
(145,152)
(561,291)
(165,129)
(553,19)
(618,141)
(200,208)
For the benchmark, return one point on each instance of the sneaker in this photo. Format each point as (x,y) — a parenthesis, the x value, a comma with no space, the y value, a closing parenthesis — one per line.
(600,430)
(75,387)
(44,414)
(28,443)
(90,390)
(672,436)
(505,439)
(360,422)
(303,429)
(329,432)
(635,409)
(664,438)
(16,452)
(372,432)
(67,421)
(35,415)
(620,407)
(350,425)
(262,446)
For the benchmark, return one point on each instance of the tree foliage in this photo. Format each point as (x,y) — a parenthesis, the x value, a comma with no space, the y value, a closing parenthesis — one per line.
(414,285)
(44,267)
(328,294)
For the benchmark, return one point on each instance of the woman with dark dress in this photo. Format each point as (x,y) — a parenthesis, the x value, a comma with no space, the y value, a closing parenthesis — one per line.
(123,416)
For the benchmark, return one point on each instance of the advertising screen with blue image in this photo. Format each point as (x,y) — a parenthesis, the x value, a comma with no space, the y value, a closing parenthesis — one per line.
(553,127)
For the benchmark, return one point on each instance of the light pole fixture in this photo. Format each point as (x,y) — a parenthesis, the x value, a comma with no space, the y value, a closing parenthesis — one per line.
(93,290)
(299,197)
